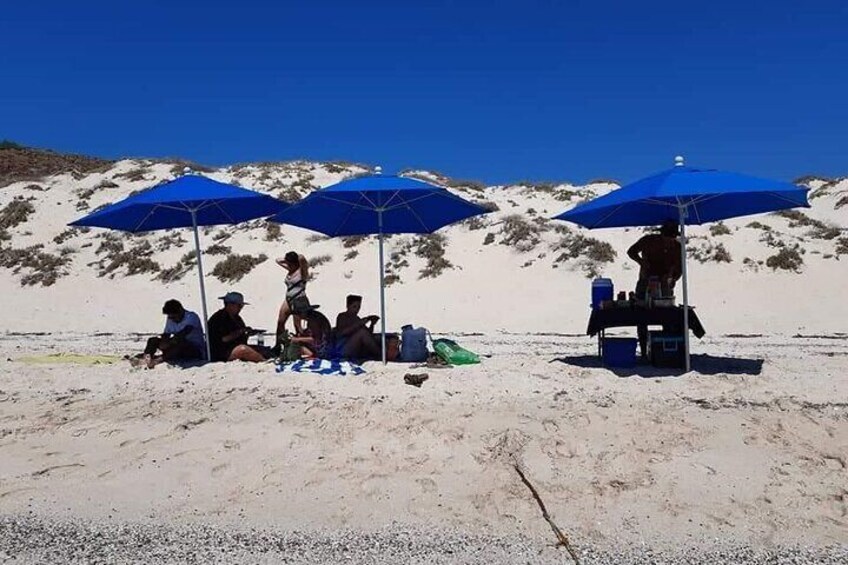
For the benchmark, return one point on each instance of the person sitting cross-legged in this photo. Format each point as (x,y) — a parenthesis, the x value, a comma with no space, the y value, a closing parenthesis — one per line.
(181,340)
(355,334)
(228,333)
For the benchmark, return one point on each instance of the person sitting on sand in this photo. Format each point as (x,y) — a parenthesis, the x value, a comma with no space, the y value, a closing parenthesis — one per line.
(181,340)
(228,333)
(317,340)
(355,334)
(296,303)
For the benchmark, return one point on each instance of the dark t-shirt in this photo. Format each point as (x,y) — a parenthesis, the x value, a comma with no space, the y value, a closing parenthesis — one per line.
(222,324)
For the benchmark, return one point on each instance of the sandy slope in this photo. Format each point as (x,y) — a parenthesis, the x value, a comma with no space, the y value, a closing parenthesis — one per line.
(516,286)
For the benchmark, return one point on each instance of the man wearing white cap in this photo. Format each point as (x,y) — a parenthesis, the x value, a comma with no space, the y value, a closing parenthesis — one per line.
(228,333)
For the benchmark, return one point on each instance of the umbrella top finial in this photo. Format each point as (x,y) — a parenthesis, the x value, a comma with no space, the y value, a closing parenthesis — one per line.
(378,170)
(678,161)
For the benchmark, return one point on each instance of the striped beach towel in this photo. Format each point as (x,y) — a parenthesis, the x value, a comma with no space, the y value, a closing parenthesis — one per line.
(321,367)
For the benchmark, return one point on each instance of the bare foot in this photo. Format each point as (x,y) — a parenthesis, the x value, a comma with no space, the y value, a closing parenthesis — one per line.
(148,361)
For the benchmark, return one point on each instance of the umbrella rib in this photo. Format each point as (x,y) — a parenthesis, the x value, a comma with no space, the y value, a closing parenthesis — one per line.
(780,197)
(144,219)
(347,217)
(387,204)
(441,192)
(417,217)
(217,204)
(695,210)
(346,203)
(619,207)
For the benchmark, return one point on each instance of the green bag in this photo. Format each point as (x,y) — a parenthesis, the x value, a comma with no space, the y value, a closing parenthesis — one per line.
(289,351)
(452,353)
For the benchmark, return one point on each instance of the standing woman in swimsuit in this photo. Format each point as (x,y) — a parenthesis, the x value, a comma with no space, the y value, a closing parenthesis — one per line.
(296,303)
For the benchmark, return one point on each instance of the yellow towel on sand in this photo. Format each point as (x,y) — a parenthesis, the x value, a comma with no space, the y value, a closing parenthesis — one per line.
(75,358)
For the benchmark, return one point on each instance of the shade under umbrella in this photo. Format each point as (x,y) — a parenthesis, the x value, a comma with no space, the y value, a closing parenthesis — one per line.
(379,205)
(688,196)
(188,201)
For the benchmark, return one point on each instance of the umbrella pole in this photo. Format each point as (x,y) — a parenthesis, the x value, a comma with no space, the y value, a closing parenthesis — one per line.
(685,286)
(202,286)
(382,292)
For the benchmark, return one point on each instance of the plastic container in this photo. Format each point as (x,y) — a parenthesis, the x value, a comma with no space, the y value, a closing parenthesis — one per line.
(602,289)
(413,344)
(666,350)
(620,351)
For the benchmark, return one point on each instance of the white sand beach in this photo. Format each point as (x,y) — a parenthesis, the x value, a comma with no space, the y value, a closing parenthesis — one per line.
(740,460)
(748,450)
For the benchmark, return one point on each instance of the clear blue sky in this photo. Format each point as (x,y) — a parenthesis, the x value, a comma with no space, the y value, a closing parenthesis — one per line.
(494,90)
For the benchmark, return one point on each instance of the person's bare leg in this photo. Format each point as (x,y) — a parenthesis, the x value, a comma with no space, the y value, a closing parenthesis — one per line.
(282,318)
(298,324)
(246,353)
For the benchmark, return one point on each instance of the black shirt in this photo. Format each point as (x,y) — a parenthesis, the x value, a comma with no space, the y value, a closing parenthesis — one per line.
(221,324)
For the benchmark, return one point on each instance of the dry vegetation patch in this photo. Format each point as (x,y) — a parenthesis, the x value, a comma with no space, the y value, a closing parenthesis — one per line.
(19,163)
(172,239)
(818,229)
(590,254)
(353,241)
(235,267)
(432,248)
(133,175)
(186,263)
(273,232)
(719,229)
(41,267)
(16,212)
(787,259)
(136,260)
(68,233)
(710,252)
(521,234)
(218,249)
(319,260)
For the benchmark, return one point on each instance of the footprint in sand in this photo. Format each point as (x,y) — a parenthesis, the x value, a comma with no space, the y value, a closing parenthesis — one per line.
(427,485)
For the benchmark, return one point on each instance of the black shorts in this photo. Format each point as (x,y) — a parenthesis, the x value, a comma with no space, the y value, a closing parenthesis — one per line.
(299,305)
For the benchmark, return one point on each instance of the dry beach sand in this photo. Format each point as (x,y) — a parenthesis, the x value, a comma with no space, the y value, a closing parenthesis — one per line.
(733,455)
(743,460)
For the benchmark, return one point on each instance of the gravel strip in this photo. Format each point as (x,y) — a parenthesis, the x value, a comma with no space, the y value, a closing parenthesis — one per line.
(33,540)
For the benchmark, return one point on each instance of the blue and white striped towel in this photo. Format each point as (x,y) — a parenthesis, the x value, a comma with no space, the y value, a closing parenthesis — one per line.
(321,367)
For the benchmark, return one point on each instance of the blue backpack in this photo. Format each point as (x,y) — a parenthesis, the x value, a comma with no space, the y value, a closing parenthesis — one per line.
(413,344)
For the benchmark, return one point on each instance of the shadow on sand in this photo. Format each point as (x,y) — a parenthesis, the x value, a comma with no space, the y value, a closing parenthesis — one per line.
(703,364)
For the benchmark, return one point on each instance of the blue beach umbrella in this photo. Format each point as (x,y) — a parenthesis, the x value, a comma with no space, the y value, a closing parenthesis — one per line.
(688,196)
(188,201)
(379,205)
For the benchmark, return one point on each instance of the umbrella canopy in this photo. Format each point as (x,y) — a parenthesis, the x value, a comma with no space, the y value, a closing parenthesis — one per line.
(188,201)
(184,202)
(705,195)
(379,205)
(688,196)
